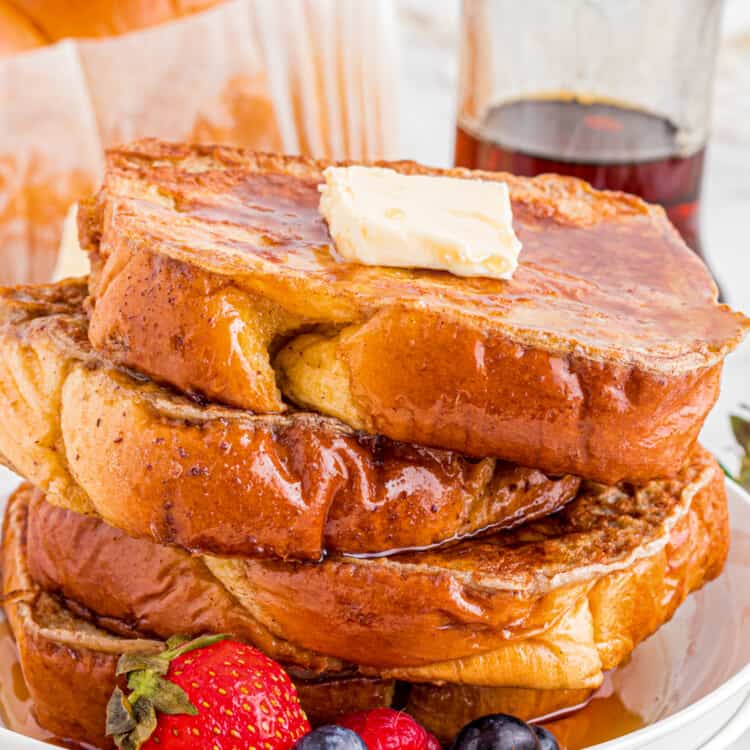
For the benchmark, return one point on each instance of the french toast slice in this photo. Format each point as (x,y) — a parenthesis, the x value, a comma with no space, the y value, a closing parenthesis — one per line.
(213,479)
(139,589)
(575,590)
(68,658)
(69,664)
(600,357)
(550,605)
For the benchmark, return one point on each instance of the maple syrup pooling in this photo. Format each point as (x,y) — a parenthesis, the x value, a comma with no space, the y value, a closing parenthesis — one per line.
(16,706)
(603,717)
(611,146)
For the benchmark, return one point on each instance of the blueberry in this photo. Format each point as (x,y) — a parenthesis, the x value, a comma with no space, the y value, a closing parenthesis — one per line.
(330,737)
(496,732)
(546,739)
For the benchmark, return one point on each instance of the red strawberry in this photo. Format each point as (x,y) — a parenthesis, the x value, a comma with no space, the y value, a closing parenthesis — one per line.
(386,729)
(207,694)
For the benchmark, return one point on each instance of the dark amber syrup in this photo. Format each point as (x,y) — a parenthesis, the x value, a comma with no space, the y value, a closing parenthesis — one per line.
(604,717)
(610,146)
(15,702)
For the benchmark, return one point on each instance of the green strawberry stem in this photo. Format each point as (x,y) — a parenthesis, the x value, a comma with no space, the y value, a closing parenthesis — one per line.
(741,430)
(132,717)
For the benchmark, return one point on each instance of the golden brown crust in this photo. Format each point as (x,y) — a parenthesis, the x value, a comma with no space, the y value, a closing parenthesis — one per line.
(223,481)
(69,664)
(327,700)
(548,606)
(70,672)
(565,586)
(625,354)
(138,588)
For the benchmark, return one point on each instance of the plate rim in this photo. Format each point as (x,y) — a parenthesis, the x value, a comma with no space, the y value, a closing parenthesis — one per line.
(725,691)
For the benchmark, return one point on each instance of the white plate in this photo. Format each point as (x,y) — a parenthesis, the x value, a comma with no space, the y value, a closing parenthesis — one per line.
(690,681)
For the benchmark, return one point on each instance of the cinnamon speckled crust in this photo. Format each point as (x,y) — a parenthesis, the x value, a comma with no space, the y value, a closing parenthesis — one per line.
(219,480)
(548,606)
(573,592)
(600,358)
(69,662)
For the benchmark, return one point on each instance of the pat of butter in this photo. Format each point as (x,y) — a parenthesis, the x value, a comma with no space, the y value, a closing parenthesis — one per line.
(379,217)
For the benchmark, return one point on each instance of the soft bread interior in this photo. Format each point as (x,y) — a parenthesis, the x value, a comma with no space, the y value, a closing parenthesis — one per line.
(69,664)
(229,481)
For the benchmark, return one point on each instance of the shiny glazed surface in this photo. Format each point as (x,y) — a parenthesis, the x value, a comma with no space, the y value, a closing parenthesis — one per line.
(219,480)
(549,606)
(611,712)
(616,561)
(609,326)
(258,215)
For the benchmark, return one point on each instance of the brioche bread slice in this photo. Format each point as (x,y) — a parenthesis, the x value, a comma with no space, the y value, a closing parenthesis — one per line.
(220,480)
(68,658)
(550,605)
(69,666)
(600,357)
(571,594)
(139,589)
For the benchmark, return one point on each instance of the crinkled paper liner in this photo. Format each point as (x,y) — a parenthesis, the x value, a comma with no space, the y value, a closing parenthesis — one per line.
(300,76)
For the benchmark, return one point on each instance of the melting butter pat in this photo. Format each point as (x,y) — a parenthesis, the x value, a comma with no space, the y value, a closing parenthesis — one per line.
(379,217)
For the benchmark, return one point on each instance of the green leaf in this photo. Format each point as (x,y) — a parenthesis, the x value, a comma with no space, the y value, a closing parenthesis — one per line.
(725,470)
(132,719)
(167,696)
(142,683)
(741,430)
(200,642)
(170,698)
(134,662)
(120,718)
(145,716)
(177,640)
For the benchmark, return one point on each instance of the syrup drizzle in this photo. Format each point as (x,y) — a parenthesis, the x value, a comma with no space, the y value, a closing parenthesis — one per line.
(16,707)
(603,718)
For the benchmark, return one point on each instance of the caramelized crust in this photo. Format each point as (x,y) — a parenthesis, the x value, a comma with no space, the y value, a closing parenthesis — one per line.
(69,666)
(549,606)
(137,588)
(218,480)
(208,261)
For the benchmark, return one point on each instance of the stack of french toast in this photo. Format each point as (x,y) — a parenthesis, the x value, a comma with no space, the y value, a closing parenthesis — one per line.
(456,496)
